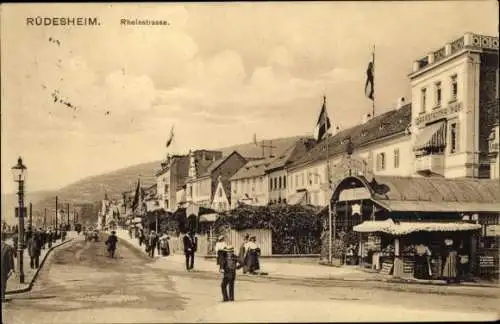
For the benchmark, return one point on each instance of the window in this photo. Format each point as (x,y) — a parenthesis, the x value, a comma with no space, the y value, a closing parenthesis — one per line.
(438,94)
(220,192)
(284,182)
(381,161)
(423,100)
(166,203)
(284,201)
(309,178)
(396,158)
(279,184)
(316,176)
(297,181)
(270,184)
(454,137)
(454,88)
(275,183)
(166,188)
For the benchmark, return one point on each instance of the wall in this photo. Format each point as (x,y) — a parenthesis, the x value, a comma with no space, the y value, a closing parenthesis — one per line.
(256,188)
(313,177)
(226,170)
(161,180)
(202,191)
(180,169)
(277,186)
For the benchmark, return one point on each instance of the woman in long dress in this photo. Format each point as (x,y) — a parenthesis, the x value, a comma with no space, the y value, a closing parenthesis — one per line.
(219,249)
(450,265)
(243,255)
(253,252)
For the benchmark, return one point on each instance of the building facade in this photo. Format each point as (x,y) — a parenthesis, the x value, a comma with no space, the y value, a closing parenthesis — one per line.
(221,201)
(455,100)
(382,145)
(250,185)
(171,177)
(277,173)
(198,182)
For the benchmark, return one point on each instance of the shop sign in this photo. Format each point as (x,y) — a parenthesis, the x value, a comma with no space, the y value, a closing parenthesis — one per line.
(350,166)
(492,230)
(438,114)
(354,194)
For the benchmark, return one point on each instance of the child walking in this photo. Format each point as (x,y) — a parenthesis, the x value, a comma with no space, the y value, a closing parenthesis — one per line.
(228,266)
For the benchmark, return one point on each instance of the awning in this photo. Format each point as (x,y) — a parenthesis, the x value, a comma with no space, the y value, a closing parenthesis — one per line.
(388,226)
(433,135)
(208,218)
(297,198)
(437,206)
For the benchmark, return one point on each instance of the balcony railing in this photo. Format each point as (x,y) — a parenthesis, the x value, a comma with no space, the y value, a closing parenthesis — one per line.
(432,163)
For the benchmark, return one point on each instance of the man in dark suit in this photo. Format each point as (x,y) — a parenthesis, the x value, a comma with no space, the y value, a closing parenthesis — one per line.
(190,246)
(228,266)
(7,264)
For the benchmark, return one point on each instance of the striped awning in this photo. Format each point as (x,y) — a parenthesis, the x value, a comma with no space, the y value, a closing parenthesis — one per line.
(432,136)
(388,226)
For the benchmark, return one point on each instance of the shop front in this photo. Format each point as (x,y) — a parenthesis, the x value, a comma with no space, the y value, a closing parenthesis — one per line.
(410,227)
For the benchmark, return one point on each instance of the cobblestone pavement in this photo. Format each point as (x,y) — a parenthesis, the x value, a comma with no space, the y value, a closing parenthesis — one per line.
(80,284)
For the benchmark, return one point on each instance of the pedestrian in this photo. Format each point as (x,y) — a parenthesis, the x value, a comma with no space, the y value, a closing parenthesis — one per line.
(219,249)
(190,246)
(228,266)
(130,231)
(243,252)
(43,236)
(152,243)
(34,251)
(7,265)
(450,264)
(142,237)
(111,244)
(165,245)
(50,237)
(253,254)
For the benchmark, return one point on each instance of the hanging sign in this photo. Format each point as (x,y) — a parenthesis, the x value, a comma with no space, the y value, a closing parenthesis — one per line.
(354,194)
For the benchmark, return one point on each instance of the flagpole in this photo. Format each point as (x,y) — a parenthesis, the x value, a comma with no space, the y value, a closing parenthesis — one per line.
(328,191)
(373,83)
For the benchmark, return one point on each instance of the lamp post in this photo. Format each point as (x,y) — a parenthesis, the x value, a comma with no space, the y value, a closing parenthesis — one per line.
(19,172)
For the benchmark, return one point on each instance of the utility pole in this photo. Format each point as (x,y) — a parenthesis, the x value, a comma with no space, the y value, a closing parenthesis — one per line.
(30,220)
(45,218)
(57,211)
(67,224)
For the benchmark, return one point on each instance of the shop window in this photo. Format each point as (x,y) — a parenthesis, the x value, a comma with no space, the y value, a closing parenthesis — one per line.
(396,158)
(423,100)
(454,88)
(438,94)
(381,161)
(454,137)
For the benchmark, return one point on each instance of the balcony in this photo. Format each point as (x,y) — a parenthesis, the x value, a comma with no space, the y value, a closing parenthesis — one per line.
(432,163)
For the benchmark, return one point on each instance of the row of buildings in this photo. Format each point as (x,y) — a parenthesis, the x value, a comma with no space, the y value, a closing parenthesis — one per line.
(449,129)
(434,159)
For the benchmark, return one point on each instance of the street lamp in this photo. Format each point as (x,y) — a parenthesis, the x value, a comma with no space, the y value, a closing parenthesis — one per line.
(19,173)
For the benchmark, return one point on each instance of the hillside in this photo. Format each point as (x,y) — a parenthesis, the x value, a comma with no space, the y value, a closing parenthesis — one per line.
(92,189)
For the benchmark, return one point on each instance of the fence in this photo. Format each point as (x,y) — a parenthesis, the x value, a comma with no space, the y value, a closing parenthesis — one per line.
(206,242)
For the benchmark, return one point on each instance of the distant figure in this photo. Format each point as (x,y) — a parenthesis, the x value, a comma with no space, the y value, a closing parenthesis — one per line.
(164,245)
(151,244)
(253,254)
(50,237)
(228,266)
(142,237)
(111,244)
(34,250)
(130,231)
(243,253)
(190,246)
(220,249)
(450,265)
(7,265)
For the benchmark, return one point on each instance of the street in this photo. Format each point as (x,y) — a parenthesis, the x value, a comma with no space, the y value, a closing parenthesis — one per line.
(80,284)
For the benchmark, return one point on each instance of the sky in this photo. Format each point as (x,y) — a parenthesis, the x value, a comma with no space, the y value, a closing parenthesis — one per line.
(218,73)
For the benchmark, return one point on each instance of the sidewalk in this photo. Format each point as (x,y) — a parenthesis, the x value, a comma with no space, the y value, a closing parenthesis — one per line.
(30,275)
(282,270)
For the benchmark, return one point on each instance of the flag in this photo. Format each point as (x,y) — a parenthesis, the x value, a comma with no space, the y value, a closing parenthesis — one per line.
(370,82)
(323,124)
(171,137)
(137,197)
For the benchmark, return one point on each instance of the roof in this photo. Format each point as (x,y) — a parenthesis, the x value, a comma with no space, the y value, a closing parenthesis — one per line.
(252,169)
(226,185)
(202,165)
(217,163)
(387,124)
(435,189)
(403,228)
(292,153)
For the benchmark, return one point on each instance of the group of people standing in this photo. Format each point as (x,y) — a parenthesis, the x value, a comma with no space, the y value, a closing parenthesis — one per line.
(153,241)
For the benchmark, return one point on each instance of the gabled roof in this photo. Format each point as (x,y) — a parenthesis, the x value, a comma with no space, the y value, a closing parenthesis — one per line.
(291,154)
(252,169)
(217,163)
(389,123)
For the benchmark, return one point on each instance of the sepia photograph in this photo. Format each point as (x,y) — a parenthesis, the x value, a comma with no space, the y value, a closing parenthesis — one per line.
(250,162)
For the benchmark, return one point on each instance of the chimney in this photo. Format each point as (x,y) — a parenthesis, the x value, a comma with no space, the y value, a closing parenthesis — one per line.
(401,102)
(366,118)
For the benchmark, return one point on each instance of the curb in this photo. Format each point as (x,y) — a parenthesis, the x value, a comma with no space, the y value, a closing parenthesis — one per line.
(354,280)
(35,276)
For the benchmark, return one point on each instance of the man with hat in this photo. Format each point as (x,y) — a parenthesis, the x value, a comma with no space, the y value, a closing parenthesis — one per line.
(111,244)
(228,266)
(243,252)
